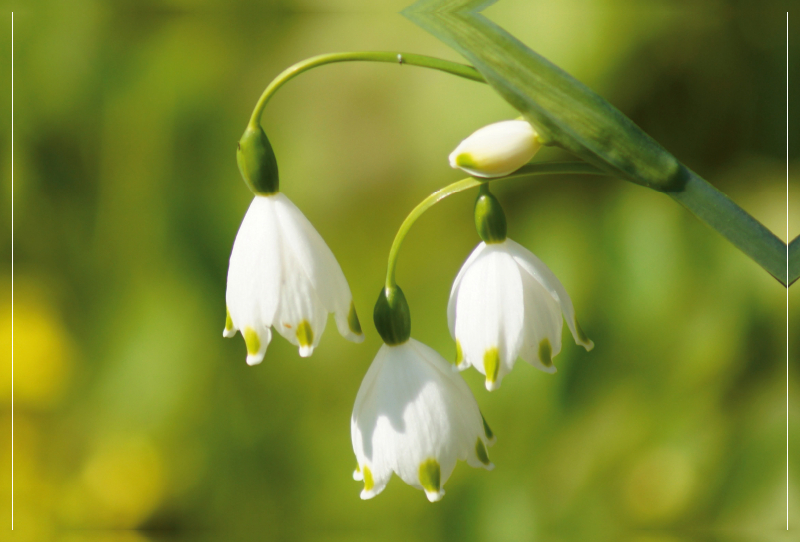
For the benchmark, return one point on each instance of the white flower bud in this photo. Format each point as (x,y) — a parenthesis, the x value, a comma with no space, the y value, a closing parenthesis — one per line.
(497,149)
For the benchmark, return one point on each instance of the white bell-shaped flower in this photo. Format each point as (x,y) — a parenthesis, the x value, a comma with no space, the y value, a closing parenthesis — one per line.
(282,274)
(415,416)
(505,303)
(497,149)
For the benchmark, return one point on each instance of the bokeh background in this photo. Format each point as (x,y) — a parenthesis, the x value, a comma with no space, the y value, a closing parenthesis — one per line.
(132,411)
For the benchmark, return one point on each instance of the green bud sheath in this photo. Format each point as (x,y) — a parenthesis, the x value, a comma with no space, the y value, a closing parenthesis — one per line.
(490,220)
(392,316)
(257,162)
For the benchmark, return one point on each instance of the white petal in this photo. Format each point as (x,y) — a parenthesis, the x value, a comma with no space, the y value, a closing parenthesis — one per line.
(533,265)
(451,304)
(254,274)
(300,317)
(543,323)
(318,263)
(497,149)
(256,341)
(490,313)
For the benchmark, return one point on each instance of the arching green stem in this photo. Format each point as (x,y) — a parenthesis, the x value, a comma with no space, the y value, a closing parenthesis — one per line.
(461,70)
(471,182)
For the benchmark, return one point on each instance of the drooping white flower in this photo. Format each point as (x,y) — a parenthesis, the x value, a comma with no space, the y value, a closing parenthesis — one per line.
(505,303)
(497,149)
(415,416)
(282,274)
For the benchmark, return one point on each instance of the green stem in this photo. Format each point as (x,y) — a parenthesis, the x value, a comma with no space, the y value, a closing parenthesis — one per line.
(454,68)
(471,182)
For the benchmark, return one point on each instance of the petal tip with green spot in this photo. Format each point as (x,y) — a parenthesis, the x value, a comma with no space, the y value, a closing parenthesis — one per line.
(229,330)
(487,431)
(369,483)
(465,161)
(253,343)
(430,477)
(305,338)
(483,456)
(491,367)
(546,356)
(583,340)
(354,324)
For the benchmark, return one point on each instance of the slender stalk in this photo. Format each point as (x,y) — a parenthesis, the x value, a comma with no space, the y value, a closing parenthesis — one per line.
(454,68)
(471,182)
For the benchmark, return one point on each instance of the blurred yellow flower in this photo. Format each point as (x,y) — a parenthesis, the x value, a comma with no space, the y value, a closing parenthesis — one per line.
(44,352)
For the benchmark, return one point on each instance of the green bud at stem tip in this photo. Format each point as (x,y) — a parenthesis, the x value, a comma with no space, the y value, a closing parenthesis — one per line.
(392,316)
(257,162)
(490,220)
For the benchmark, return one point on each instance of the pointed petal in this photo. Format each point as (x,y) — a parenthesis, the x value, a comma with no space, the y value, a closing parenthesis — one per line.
(533,265)
(230,329)
(349,326)
(490,313)
(254,273)
(451,304)
(317,261)
(301,316)
(256,341)
(479,458)
(543,324)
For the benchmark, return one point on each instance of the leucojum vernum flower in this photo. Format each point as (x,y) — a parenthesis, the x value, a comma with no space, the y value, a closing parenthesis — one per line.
(281,273)
(414,415)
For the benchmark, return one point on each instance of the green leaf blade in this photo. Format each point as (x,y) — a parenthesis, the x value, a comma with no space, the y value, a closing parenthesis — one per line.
(794,260)
(735,224)
(564,111)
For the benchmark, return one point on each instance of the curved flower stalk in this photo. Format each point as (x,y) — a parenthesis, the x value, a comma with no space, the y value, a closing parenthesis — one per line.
(414,415)
(497,149)
(281,273)
(506,303)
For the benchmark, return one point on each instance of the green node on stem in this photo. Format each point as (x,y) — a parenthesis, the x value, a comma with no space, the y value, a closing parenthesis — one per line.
(490,220)
(257,161)
(392,316)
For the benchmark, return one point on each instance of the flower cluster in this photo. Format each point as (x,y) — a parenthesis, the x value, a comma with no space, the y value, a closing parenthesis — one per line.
(414,415)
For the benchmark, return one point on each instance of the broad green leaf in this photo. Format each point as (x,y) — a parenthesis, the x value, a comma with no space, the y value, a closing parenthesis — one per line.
(565,112)
(794,260)
(570,115)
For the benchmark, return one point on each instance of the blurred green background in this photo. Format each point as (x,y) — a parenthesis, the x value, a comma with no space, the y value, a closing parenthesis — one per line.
(132,411)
